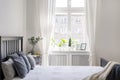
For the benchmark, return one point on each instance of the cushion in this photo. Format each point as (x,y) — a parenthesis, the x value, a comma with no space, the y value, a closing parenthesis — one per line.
(31,60)
(8,69)
(26,60)
(13,55)
(19,65)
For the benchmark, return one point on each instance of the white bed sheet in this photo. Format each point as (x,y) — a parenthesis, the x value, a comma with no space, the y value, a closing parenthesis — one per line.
(61,73)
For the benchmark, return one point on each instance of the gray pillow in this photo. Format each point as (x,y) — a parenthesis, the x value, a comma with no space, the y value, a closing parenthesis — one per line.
(20,66)
(31,60)
(8,69)
(26,60)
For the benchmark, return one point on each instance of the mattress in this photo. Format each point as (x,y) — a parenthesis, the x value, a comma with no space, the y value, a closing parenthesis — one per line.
(61,73)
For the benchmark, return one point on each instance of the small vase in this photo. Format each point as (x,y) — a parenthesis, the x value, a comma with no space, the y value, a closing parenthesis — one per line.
(32,51)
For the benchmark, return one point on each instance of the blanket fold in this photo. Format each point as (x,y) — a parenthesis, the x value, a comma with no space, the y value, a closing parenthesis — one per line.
(102,75)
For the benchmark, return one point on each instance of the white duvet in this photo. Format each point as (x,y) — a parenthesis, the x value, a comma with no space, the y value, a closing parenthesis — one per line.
(61,73)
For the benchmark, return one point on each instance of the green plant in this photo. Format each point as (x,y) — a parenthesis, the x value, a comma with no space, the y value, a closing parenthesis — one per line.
(53,42)
(62,42)
(33,41)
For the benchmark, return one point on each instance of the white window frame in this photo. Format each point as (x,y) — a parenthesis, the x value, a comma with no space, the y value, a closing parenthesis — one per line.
(69,10)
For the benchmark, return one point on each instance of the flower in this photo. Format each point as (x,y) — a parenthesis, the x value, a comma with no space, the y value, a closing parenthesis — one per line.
(34,40)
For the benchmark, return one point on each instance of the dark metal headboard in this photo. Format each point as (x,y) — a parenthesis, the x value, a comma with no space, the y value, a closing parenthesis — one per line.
(8,46)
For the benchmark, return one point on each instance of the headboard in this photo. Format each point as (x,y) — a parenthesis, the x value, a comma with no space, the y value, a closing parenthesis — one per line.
(9,45)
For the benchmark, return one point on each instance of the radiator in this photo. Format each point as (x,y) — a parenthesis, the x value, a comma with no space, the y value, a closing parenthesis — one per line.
(80,60)
(57,60)
(68,60)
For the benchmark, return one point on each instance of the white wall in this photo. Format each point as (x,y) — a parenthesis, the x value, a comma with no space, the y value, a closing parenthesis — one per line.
(108,30)
(13,18)
(33,21)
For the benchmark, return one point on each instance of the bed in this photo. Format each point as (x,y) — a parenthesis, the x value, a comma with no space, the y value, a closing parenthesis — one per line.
(60,73)
(9,45)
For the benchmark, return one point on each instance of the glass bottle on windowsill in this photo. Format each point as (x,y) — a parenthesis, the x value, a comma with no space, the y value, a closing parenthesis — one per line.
(69,44)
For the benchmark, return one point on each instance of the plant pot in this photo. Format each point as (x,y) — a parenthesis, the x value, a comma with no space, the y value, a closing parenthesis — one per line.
(32,51)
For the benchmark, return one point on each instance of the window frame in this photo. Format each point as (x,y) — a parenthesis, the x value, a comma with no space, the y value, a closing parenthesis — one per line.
(69,10)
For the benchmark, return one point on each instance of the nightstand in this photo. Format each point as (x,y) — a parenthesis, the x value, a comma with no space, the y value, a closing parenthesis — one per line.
(38,59)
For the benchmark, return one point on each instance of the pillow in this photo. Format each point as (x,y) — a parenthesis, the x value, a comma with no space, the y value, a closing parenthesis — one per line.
(26,60)
(8,69)
(13,55)
(19,65)
(31,60)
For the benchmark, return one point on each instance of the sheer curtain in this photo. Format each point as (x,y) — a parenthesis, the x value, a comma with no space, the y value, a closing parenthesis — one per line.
(92,8)
(46,12)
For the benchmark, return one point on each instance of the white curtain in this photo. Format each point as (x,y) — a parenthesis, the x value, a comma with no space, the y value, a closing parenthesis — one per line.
(46,27)
(92,8)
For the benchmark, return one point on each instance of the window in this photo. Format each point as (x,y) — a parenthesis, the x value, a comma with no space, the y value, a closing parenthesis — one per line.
(70,23)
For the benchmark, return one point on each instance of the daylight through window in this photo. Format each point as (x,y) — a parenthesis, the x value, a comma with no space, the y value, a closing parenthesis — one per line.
(70,24)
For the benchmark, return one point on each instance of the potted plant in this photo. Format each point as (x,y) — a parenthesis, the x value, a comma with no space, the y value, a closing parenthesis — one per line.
(33,41)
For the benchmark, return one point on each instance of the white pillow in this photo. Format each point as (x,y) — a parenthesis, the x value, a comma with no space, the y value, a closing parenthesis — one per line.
(31,60)
(8,69)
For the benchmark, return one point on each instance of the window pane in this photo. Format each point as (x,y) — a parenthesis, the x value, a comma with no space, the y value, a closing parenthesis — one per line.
(61,3)
(77,24)
(61,24)
(77,3)
(78,27)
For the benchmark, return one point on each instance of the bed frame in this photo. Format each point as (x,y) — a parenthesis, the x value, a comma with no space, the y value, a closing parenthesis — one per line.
(8,46)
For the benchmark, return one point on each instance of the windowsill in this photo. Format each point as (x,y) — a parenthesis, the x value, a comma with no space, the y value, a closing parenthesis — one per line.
(68,50)
(78,52)
(71,51)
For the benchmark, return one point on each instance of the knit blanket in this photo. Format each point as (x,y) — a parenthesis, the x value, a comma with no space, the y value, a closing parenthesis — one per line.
(102,75)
